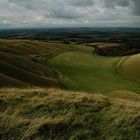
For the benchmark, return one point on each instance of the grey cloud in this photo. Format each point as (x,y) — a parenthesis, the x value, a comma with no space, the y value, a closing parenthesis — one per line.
(63,8)
(114,3)
(136,8)
(63,13)
(123,3)
(68,12)
(29,4)
(53,8)
(133,5)
(80,2)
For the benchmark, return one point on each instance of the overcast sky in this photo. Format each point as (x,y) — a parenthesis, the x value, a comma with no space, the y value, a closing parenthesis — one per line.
(63,13)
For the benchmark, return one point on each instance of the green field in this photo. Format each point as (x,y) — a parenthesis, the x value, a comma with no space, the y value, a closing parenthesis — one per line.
(82,70)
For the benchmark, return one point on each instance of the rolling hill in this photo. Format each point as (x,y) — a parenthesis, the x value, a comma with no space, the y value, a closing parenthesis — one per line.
(26,63)
(34,102)
(130,66)
(21,63)
(81,70)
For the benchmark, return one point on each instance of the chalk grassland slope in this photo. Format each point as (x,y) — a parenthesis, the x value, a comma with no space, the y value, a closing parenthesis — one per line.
(130,67)
(82,70)
(21,63)
(41,114)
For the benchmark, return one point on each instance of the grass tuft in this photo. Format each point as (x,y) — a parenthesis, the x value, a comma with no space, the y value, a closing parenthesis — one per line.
(58,114)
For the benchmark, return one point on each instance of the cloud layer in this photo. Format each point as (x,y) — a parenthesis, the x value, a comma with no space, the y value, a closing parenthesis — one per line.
(46,13)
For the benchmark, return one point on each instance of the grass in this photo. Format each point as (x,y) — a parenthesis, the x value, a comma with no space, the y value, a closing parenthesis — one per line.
(130,67)
(42,114)
(36,63)
(82,70)
(6,81)
(22,62)
(37,113)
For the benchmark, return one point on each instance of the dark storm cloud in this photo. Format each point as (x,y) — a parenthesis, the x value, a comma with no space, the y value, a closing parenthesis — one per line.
(136,7)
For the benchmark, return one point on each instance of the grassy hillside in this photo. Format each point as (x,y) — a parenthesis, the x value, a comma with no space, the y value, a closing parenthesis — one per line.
(130,67)
(82,70)
(41,114)
(27,63)
(21,63)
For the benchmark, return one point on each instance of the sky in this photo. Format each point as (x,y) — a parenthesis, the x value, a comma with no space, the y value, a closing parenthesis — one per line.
(69,13)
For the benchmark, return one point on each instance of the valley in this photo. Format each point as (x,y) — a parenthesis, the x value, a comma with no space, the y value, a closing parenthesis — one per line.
(51,90)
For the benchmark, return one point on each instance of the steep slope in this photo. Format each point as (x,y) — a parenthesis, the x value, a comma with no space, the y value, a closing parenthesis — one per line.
(6,81)
(23,63)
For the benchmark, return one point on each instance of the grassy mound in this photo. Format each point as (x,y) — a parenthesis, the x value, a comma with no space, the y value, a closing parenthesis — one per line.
(23,63)
(57,114)
(131,66)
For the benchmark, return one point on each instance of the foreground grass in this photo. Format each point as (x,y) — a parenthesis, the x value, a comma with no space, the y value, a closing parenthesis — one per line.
(82,70)
(41,114)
